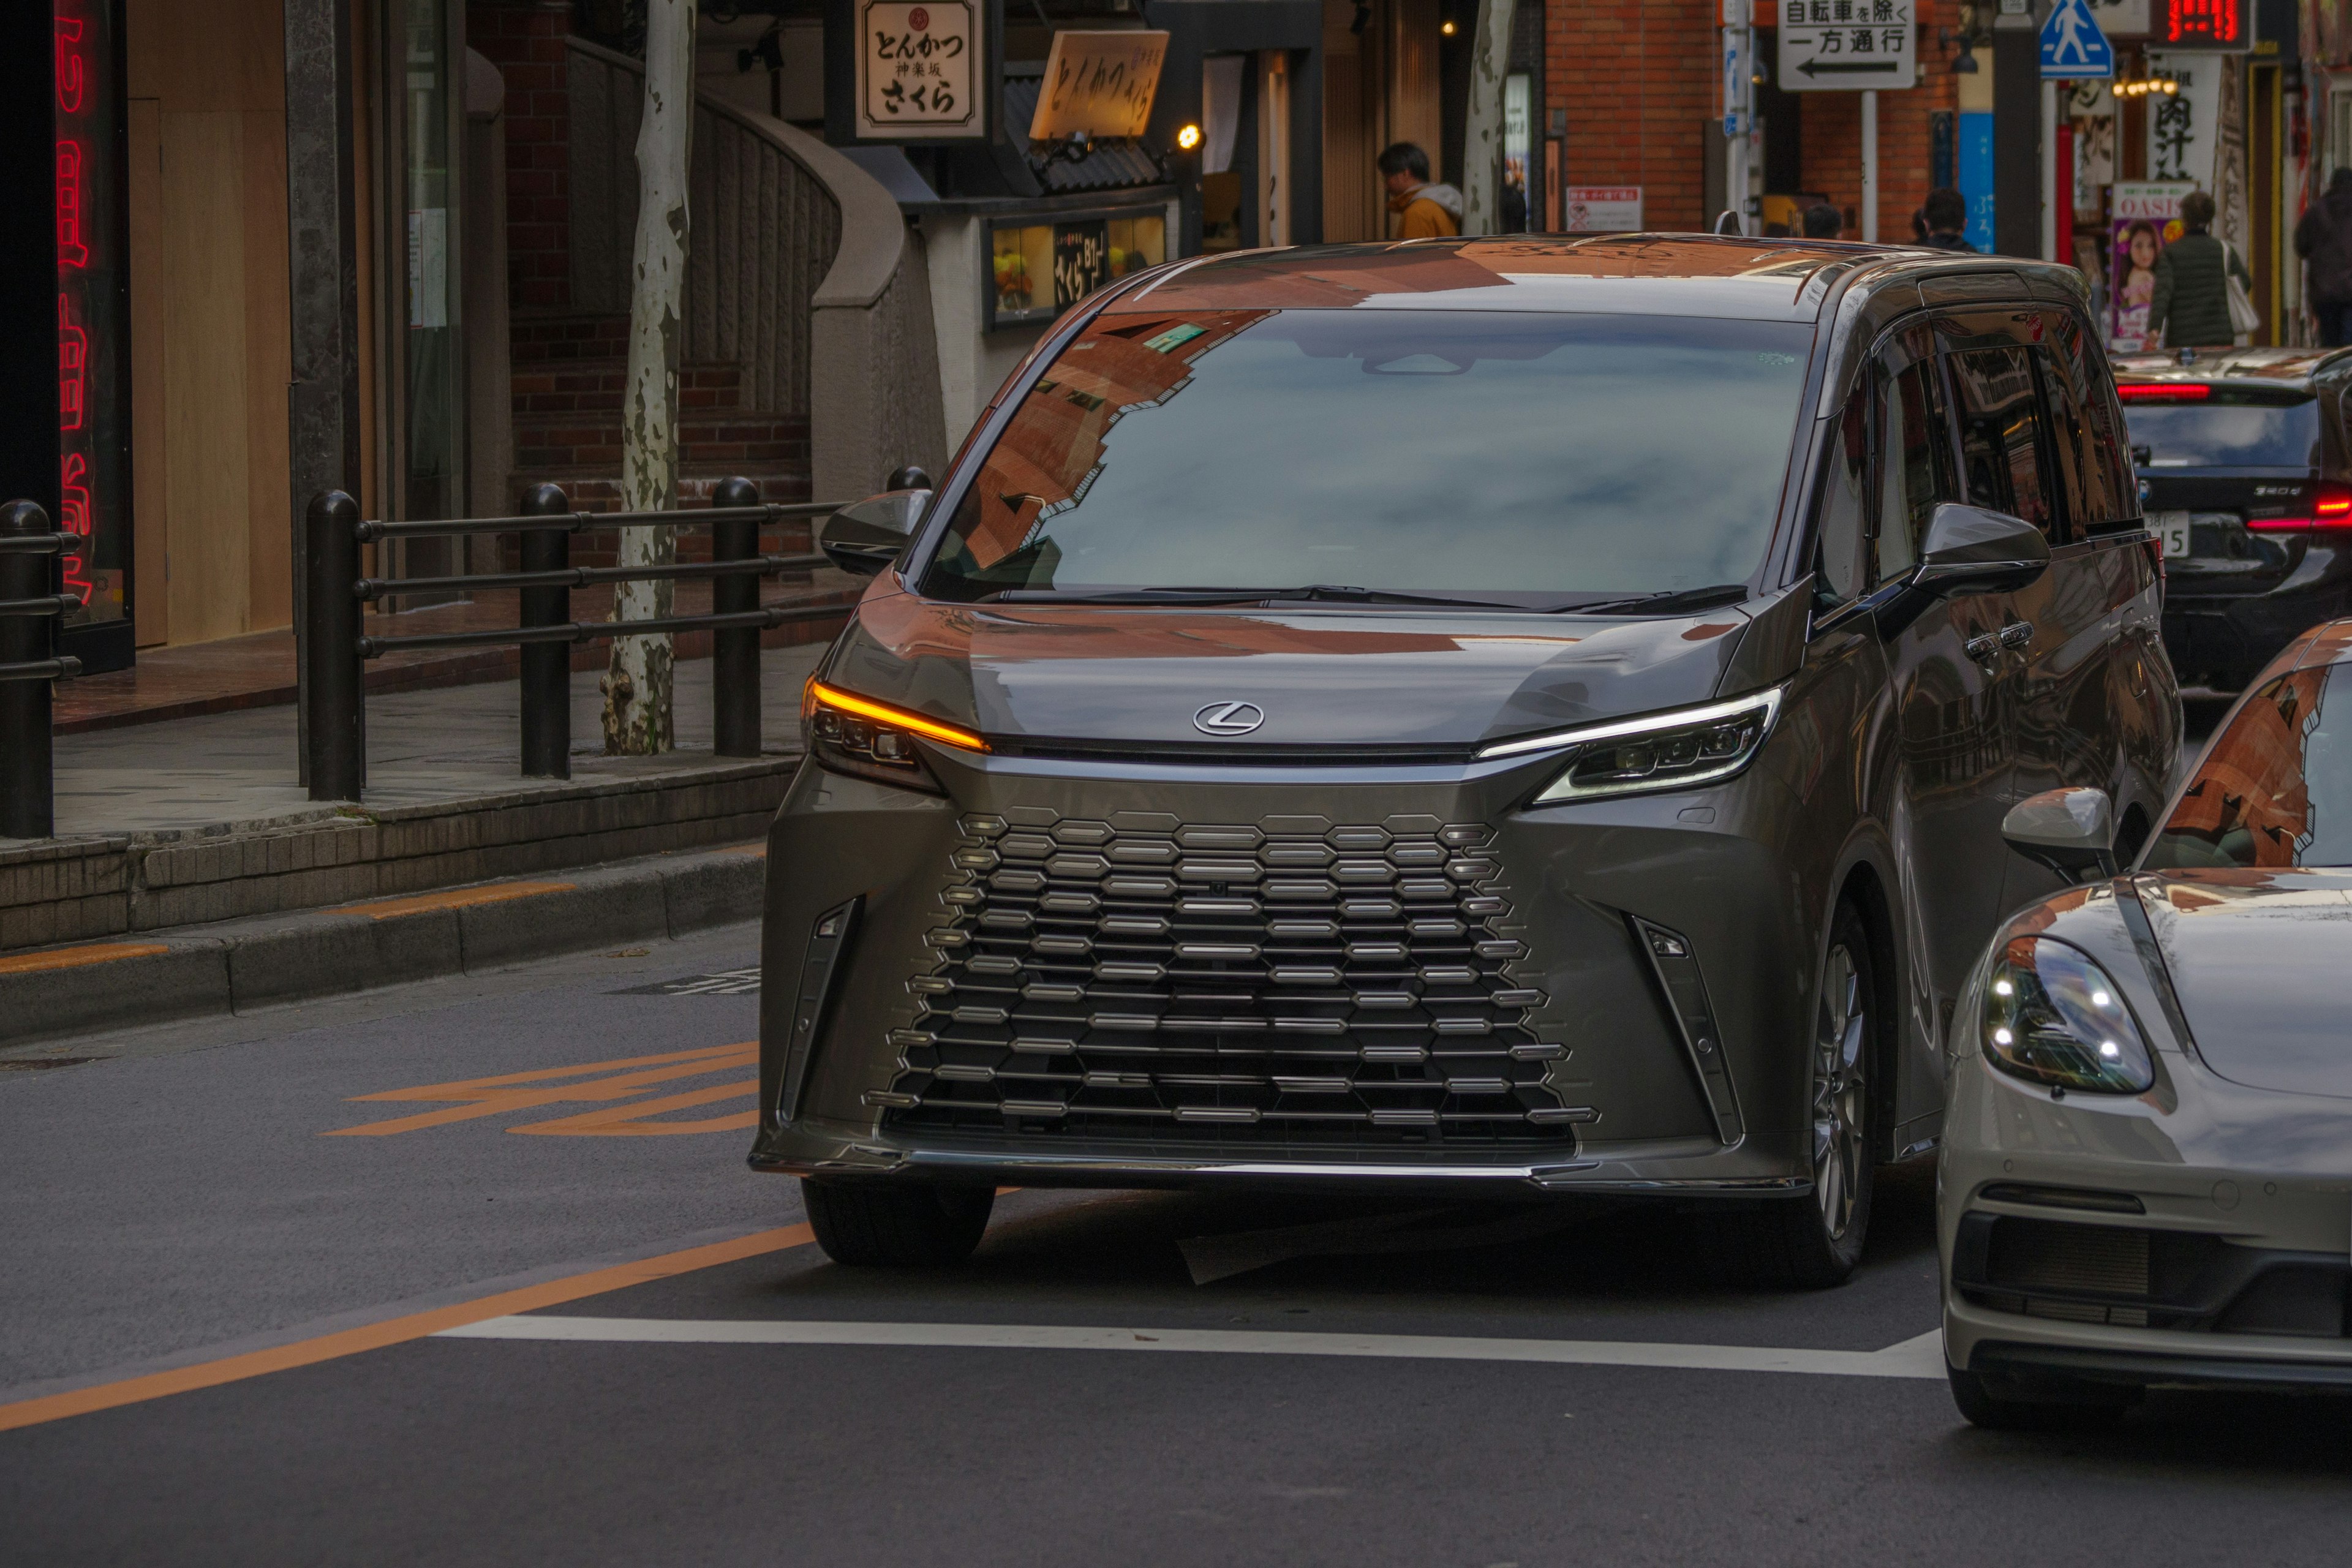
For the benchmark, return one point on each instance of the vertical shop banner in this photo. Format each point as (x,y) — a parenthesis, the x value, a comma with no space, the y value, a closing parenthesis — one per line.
(93,471)
(1518,149)
(2146,218)
(2181,125)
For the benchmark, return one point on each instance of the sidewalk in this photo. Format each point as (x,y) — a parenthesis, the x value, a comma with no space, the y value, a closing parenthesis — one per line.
(201,819)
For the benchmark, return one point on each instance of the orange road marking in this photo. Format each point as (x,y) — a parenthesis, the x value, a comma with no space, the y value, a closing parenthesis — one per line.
(514,1092)
(626,1120)
(75,957)
(396,1331)
(451,899)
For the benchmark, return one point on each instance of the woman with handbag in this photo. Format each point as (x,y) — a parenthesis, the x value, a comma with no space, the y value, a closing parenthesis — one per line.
(2199,284)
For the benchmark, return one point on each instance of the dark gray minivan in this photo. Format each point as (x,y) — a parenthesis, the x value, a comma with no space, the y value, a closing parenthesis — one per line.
(1519,717)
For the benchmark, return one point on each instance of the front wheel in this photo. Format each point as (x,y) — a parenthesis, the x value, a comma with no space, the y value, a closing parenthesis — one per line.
(892,1226)
(1814,1242)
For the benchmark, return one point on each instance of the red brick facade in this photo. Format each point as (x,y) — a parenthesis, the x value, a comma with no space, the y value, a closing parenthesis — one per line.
(524,38)
(1638,81)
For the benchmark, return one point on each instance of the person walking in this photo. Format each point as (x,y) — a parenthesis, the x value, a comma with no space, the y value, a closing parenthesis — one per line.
(1823,221)
(1944,216)
(1424,211)
(2323,240)
(2191,307)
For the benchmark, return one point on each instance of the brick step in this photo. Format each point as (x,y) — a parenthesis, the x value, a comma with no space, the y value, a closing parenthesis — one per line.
(597,386)
(706,438)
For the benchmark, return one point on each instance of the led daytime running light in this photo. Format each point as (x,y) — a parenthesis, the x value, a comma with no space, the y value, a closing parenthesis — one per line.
(898,718)
(1682,718)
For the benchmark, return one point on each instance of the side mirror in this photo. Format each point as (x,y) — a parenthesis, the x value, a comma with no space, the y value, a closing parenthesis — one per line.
(1970,550)
(866,536)
(2071,831)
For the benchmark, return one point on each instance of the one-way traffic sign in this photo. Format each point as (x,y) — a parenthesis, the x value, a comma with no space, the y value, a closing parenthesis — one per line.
(2073,47)
(1846,46)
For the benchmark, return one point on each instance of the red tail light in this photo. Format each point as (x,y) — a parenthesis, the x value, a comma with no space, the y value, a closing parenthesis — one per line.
(2163,391)
(2329,506)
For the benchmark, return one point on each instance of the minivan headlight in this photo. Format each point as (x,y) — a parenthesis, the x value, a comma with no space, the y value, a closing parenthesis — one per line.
(853,734)
(1664,751)
(2052,1015)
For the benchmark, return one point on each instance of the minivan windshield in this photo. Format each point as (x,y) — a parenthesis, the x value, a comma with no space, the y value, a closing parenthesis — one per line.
(1535,460)
(2229,429)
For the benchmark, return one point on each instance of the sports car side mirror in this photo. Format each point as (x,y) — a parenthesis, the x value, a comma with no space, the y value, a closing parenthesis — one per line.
(2071,831)
(866,536)
(1970,550)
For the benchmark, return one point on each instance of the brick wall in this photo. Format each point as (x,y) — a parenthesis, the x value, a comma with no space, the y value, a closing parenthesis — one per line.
(1639,83)
(524,38)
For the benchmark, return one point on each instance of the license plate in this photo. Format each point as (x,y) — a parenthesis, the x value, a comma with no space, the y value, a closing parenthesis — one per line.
(2172,527)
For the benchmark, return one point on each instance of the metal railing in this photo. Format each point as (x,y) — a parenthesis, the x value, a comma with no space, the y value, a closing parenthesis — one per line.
(30,605)
(336,703)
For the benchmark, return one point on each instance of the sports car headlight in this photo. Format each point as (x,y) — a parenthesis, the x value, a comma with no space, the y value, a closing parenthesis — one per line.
(2053,1016)
(1664,751)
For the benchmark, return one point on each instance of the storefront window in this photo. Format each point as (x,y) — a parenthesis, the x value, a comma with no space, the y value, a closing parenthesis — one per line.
(1040,269)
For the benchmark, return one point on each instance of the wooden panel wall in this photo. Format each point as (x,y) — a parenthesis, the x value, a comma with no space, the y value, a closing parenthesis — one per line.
(210,357)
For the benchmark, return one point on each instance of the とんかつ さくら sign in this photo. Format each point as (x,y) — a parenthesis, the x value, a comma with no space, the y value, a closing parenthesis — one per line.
(919,71)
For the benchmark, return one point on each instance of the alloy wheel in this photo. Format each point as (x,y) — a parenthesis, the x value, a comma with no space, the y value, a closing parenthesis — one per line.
(1840,1032)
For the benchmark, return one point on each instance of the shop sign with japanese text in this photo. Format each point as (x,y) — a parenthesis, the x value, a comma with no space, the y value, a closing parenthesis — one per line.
(1098,84)
(1603,209)
(919,71)
(1846,46)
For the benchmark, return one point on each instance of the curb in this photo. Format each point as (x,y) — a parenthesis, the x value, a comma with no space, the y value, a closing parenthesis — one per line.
(238,965)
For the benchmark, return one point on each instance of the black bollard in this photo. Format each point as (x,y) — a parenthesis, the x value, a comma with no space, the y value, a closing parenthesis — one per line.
(735,650)
(27,804)
(338,716)
(546,666)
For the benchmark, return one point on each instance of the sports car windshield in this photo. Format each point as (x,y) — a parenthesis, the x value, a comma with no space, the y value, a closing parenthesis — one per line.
(1538,460)
(2274,789)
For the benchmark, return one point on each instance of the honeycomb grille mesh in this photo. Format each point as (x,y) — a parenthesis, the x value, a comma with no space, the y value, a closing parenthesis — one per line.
(1291,981)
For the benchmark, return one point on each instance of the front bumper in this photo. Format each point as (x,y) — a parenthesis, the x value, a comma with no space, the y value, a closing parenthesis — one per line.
(1113,976)
(2198,1235)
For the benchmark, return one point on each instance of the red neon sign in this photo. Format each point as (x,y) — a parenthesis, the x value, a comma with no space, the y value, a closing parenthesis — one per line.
(75,433)
(2209,23)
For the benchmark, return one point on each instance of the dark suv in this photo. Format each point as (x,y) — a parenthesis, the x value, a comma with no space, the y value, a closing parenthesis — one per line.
(2246,464)
(1523,717)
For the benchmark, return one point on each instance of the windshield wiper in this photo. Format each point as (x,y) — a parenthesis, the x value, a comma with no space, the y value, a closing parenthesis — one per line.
(1312,592)
(1126,597)
(1668,604)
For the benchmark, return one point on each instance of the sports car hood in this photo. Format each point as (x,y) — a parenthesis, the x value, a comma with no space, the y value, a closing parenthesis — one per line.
(1110,675)
(2259,959)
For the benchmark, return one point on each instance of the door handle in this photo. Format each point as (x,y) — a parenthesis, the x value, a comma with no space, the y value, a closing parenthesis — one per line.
(2017,634)
(1984,649)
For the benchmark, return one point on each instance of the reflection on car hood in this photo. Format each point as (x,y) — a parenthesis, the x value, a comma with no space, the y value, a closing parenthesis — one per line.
(2258,960)
(1136,676)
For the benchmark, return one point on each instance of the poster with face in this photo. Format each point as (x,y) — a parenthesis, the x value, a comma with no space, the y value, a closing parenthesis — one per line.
(2147,219)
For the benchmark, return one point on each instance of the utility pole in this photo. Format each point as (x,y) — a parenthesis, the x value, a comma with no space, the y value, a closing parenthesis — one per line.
(1738,99)
(1870,165)
(2017,97)
(637,678)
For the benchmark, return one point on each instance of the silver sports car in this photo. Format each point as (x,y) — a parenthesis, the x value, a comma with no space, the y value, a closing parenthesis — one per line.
(2146,1167)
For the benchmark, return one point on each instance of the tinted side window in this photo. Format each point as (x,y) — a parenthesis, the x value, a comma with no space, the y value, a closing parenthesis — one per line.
(2000,435)
(2112,494)
(1914,463)
(2076,477)
(1844,485)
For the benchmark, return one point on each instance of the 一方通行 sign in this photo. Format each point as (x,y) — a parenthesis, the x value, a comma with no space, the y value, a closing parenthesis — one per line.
(1847,46)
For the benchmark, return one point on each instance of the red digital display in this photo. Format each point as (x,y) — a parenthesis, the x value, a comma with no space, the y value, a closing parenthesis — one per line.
(2205,24)
(91,432)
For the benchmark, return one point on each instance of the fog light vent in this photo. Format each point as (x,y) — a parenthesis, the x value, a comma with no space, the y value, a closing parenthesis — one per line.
(2047,1254)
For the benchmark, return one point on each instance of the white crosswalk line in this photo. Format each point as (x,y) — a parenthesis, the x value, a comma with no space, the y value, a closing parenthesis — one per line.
(1914,1358)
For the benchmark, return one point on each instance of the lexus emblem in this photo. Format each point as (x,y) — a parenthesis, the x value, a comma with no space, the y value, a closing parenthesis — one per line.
(1229,718)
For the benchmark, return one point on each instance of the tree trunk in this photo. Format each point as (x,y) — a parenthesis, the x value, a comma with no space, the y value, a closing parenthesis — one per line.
(637,711)
(1481,130)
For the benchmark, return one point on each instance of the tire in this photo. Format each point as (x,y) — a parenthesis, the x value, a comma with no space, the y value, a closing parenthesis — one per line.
(867,1224)
(2067,1408)
(1813,1242)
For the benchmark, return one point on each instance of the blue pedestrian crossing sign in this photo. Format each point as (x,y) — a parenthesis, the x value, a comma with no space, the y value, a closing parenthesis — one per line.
(2072,44)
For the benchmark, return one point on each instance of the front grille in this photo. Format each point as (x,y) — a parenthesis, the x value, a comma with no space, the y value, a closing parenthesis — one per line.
(1290,980)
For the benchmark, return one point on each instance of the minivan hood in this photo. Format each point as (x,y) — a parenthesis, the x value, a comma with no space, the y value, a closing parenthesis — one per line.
(2257,959)
(1095,675)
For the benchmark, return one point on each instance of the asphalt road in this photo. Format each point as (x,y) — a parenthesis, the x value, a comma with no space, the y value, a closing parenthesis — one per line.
(219,1299)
